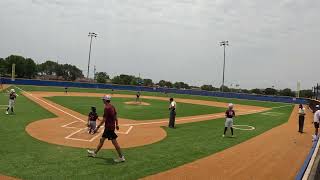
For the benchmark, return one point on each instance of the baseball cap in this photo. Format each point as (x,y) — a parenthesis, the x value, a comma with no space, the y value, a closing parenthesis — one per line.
(106,97)
(12,90)
(230,105)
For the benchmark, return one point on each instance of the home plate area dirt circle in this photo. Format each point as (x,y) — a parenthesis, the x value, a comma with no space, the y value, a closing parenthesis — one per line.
(69,127)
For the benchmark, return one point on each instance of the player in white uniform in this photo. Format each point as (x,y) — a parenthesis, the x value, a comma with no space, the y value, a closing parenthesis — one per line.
(316,120)
(12,100)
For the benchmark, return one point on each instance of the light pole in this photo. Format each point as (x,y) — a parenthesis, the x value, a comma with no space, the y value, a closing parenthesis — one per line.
(91,35)
(224,44)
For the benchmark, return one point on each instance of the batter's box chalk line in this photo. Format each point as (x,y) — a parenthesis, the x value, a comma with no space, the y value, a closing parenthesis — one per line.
(244,127)
(272,114)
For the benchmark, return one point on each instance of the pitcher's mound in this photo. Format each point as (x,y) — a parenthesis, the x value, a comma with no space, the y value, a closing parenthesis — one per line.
(137,103)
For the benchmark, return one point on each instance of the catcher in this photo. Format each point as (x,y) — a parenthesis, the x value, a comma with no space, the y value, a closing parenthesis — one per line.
(92,120)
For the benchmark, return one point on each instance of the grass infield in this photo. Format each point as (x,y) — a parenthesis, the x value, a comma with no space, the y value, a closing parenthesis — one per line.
(25,157)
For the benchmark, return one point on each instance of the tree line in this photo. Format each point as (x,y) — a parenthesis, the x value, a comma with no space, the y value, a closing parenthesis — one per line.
(27,68)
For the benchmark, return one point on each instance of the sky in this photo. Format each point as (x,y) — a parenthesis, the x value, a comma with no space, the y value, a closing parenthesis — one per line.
(271,42)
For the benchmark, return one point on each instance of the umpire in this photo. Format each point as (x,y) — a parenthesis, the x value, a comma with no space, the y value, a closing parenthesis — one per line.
(172,109)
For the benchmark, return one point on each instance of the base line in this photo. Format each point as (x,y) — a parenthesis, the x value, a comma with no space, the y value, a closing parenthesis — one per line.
(50,104)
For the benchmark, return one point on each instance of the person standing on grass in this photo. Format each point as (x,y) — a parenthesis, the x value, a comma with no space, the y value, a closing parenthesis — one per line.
(111,123)
(230,114)
(172,109)
(12,100)
(301,117)
(316,120)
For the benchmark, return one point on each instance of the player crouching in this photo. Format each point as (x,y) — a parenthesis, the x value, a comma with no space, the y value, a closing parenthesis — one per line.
(92,120)
(12,100)
(230,114)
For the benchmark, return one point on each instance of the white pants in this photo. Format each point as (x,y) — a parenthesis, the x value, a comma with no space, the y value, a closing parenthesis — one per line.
(228,123)
(11,103)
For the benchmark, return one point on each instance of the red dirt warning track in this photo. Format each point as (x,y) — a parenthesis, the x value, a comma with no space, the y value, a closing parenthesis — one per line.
(69,127)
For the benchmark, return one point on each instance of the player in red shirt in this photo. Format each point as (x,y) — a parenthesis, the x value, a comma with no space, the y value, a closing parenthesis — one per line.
(230,114)
(111,123)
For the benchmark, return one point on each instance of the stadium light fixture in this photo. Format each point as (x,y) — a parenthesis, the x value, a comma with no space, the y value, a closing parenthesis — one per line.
(224,44)
(91,35)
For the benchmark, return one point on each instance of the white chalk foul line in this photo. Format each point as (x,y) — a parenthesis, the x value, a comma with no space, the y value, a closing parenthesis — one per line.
(74,133)
(193,118)
(282,106)
(50,104)
(65,126)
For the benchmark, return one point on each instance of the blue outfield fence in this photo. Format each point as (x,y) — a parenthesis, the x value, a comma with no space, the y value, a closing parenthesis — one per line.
(307,160)
(151,89)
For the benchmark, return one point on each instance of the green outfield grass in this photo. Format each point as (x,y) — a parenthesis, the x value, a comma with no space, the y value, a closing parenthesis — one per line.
(157,110)
(108,91)
(25,157)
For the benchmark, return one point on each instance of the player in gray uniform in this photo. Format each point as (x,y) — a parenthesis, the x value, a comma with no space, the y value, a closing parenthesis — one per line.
(12,100)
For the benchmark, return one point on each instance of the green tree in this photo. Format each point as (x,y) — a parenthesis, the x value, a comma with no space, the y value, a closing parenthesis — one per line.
(287,92)
(20,65)
(245,91)
(306,93)
(3,69)
(102,77)
(181,85)
(207,87)
(270,91)
(256,91)
(225,88)
(162,83)
(70,72)
(30,68)
(124,79)
(49,68)
(147,82)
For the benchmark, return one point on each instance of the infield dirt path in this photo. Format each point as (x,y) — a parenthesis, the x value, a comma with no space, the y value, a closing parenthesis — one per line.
(275,154)
(134,133)
(2,177)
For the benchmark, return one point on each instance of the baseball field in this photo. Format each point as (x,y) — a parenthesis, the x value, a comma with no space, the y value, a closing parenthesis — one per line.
(47,137)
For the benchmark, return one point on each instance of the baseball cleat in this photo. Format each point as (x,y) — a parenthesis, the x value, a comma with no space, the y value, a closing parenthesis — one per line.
(119,160)
(91,153)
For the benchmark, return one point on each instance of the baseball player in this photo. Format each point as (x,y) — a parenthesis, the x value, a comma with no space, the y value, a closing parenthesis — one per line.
(12,100)
(302,114)
(172,109)
(316,120)
(230,114)
(138,97)
(92,119)
(111,123)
